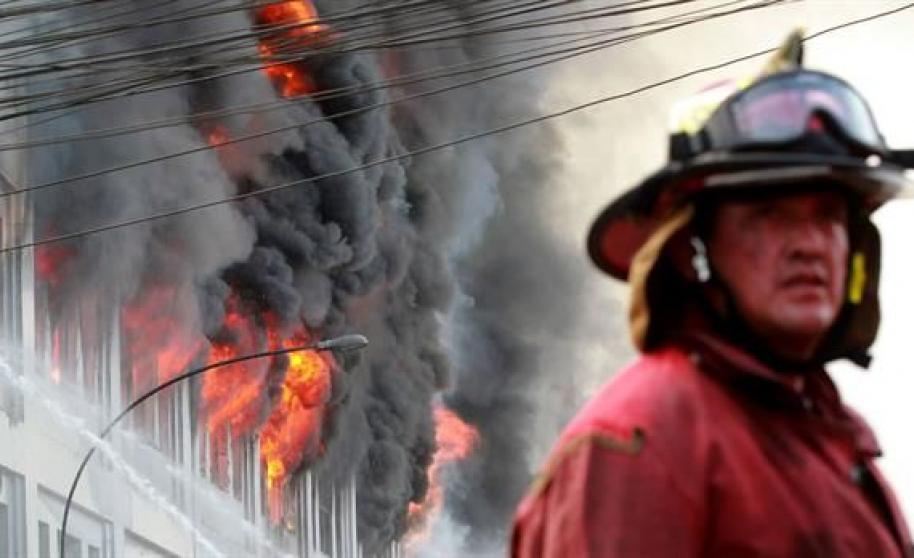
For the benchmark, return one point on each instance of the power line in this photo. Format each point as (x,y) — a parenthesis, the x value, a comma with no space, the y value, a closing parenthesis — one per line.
(432,148)
(574,52)
(347,45)
(44,8)
(68,108)
(258,31)
(436,73)
(46,35)
(130,87)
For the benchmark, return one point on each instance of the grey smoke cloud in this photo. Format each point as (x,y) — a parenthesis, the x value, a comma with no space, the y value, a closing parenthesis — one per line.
(527,331)
(450,263)
(343,254)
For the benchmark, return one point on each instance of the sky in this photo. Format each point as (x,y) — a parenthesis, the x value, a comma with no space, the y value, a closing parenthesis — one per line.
(609,148)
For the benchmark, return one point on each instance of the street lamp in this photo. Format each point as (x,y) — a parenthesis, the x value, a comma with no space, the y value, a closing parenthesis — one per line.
(347,342)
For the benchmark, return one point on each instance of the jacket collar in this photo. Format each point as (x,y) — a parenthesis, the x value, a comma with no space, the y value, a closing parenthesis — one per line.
(809,390)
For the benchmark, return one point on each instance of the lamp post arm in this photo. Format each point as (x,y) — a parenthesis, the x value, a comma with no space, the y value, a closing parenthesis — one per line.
(147,395)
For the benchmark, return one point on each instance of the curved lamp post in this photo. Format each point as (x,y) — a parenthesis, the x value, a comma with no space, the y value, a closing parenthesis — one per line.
(343,343)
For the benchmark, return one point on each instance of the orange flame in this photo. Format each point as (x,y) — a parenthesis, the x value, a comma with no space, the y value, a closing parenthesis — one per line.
(300,30)
(292,432)
(232,393)
(159,346)
(233,398)
(218,136)
(455,441)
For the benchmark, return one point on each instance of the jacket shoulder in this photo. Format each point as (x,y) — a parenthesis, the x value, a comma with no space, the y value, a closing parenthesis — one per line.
(639,438)
(665,404)
(661,390)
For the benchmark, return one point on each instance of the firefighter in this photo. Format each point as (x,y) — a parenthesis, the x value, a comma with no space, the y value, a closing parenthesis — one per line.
(752,262)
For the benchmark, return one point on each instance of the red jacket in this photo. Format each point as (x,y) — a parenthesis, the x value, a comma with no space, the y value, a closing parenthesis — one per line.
(699,450)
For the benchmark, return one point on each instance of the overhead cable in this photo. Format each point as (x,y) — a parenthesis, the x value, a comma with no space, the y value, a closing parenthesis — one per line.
(430,148)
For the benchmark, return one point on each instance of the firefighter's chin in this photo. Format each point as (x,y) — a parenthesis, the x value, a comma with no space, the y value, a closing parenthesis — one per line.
(798,318)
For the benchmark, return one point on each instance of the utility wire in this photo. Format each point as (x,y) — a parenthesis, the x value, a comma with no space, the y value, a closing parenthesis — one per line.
(46,33)
(437,73)
(249,32)
(129,91)
(434,147)
(278,61)
(45,8)
(125,91)
(131,87)
(347,44)
(67,108)
(343,38)
(352,112)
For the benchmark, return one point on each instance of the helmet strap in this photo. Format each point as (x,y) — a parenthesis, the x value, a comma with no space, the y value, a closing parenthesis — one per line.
(700,262)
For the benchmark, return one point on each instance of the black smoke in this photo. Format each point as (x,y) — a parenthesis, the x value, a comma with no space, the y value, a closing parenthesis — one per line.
(448,261)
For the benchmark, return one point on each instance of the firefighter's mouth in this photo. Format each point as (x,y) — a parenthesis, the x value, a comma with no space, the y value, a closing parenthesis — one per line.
(805,280)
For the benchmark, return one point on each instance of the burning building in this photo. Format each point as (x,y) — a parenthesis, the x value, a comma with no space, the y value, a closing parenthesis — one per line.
(172,106)
(188,182)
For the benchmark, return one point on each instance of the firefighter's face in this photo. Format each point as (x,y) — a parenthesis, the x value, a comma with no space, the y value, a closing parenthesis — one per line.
(784,261)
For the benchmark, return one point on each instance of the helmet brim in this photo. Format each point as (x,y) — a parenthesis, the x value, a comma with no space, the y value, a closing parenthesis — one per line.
(624,225)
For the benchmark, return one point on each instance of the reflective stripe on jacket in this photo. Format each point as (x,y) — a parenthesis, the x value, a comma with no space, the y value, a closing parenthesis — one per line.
(699,450)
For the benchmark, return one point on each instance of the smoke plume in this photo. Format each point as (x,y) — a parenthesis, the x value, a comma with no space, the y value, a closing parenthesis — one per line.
(447,261)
